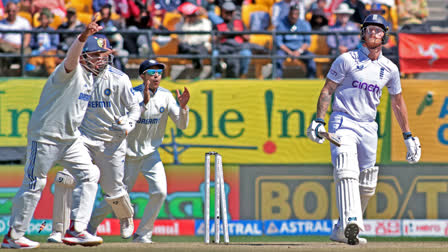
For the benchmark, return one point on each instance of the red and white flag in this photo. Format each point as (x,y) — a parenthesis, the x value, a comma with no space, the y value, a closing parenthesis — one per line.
(423,53)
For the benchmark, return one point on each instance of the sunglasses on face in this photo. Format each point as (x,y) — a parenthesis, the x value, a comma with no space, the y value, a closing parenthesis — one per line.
(154,71)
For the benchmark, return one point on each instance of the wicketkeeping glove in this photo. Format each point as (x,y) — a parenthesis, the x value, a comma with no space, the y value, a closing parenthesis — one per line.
(414,149)
(315,127)
(122,127)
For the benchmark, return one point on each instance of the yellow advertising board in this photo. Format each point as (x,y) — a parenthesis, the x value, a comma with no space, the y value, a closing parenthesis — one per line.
(427,103)
(247,121)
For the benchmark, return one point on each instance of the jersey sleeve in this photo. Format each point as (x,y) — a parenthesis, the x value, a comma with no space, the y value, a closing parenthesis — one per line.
(60,76)
(177,114)
(394,83)
(338,69)
(129,99)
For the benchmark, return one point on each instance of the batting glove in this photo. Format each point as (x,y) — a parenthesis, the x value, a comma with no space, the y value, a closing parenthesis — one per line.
(122,127)
(313,130)
(414,148)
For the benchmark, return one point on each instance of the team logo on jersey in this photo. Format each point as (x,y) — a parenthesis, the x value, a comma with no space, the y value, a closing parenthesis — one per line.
(107,91)
(162,109)
(381,72)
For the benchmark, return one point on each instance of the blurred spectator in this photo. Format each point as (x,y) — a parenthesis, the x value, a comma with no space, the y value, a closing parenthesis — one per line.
(198,44)
(233,44)
(293,45)
(12,42)
(115,39)
(167,5)
(412,15)
(340,44)
(57,7)
(281,9)
(360,10)
(97,5)
(205,6)
(44,43)
(320,5)
(319,21)
(72,24)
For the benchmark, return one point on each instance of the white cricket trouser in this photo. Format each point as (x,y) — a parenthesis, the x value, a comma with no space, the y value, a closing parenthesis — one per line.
(357,152)
(356,137)
(40,159)
(109,157)
(153,170)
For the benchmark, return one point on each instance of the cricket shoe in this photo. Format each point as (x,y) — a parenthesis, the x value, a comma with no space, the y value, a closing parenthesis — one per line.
(83,238)
(142,239)
(126,227)
(338,235)
(21,243)
(55,237)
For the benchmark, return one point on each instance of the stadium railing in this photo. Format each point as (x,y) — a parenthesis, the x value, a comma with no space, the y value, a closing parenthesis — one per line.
(149,34)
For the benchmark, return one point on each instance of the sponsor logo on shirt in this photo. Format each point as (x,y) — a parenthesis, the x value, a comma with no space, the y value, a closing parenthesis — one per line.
(99,104)
(149,121)
(366,86)
(84,97)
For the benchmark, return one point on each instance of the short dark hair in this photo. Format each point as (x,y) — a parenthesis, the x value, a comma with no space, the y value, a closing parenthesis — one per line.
(294,7)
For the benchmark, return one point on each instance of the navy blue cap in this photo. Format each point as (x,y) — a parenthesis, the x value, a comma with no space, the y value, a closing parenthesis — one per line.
(145,65)
(95,43)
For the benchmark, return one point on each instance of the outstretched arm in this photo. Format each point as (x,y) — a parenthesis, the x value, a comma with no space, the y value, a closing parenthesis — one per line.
(325,98)
(75,50)
(400,111)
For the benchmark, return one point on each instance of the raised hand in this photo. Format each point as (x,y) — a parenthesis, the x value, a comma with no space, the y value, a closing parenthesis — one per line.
(91,28)
(183,98)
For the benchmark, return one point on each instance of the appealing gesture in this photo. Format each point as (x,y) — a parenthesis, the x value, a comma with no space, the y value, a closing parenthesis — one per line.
(92,28)
(183,98)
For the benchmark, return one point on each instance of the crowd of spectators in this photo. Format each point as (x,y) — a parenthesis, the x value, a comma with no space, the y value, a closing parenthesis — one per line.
(45,48)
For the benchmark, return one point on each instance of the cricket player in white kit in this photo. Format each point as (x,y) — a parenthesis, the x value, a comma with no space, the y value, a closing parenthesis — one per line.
(53,137)
(142,156)
(112,97)
(356,79)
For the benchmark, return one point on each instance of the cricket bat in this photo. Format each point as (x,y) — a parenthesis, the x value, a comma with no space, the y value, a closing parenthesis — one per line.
(331,137)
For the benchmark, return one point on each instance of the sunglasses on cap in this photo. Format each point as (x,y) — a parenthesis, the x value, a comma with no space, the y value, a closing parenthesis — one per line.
(153,71)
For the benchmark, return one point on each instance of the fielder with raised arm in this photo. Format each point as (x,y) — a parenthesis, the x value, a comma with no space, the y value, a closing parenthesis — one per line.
(142,156)
(356,79)
(103,131)
(53,137)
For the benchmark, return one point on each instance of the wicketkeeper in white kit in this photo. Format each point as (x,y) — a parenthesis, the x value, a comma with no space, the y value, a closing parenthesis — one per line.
(53,137)
(111,114)
(356,79)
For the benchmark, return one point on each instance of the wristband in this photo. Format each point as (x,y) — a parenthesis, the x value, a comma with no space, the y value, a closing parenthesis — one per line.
(320,120)
(407,135)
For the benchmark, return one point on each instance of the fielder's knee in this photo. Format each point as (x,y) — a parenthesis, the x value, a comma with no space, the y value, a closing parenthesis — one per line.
(36,184)
(159,196)
(368,180)
(121,205)
(65,179)
(346,166)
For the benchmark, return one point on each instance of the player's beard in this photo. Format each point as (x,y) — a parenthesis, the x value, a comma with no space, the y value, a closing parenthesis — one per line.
(373,42)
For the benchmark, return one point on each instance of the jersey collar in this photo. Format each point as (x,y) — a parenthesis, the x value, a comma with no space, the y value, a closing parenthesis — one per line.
(364,50)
